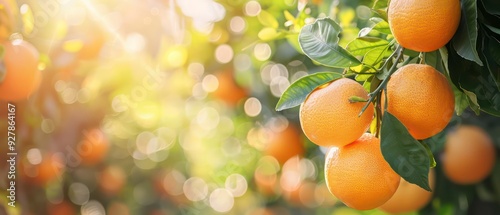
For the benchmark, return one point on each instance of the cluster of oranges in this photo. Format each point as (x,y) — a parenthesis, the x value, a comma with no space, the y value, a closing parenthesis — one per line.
(416,94)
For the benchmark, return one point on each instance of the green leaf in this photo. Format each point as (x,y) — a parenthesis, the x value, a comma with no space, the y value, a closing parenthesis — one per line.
(461,100)
(465,38)
(493,29)
(405,155)
(269,34)
(298,91)
(491,6)
(319,41)
(382,13)
(267,19)
(372,60)
(381,25)
(379,4)
(361,45)
(472,100)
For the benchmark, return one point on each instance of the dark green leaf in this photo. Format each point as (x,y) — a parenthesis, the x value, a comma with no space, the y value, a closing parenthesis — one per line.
(298,91)
(361,45)
(405,155)
(465,38)
(491,6)
(493,29)
(492,46)
(319,41)
(461,99)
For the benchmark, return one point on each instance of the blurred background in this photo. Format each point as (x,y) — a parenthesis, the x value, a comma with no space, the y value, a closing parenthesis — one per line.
(167,107)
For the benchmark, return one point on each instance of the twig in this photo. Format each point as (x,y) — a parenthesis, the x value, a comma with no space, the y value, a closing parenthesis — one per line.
(393,68)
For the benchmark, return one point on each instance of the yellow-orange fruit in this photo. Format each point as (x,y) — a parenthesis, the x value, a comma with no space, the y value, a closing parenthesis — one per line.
(423,25)
(50,168)
(20,64)
(409,197)
(421,98)
(111,180)
(358,175)
(469,155)
(329,118)
(94,147)
(228,90)
(284,144)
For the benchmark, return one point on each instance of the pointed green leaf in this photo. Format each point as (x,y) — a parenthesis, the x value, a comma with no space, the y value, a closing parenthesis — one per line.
(465,38)
(491,6)
(267,19)
(472,100)
(378,4)
(319,41)
(461,101)
(269,34)
(361,45)
(381,25)
(298,91)
(493,28)
(405,155)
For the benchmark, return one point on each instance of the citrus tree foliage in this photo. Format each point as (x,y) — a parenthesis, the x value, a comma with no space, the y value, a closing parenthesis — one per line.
(469,61)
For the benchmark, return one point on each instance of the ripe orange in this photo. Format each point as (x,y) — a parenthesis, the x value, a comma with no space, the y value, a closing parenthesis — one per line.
(111,180)
(284,144)
(49,169)
(228,91)
(421,98)
(423,25)
(409,197)
(22,77)
(328,118)
(469,155)
(358,175)
(64,207)
(93,148)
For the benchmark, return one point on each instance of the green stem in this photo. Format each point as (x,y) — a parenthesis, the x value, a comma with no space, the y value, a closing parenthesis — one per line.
(393,69)
(429,153)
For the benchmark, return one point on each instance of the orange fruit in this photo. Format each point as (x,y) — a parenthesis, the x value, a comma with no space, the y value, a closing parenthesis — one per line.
(328,118)
(284,144)
(64,207)
(358,175)
(50,168)
(409,197)
(111,180)
(20,64)
(229,91)
(469,155)
(423,25)
(421,98)
(93,148)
